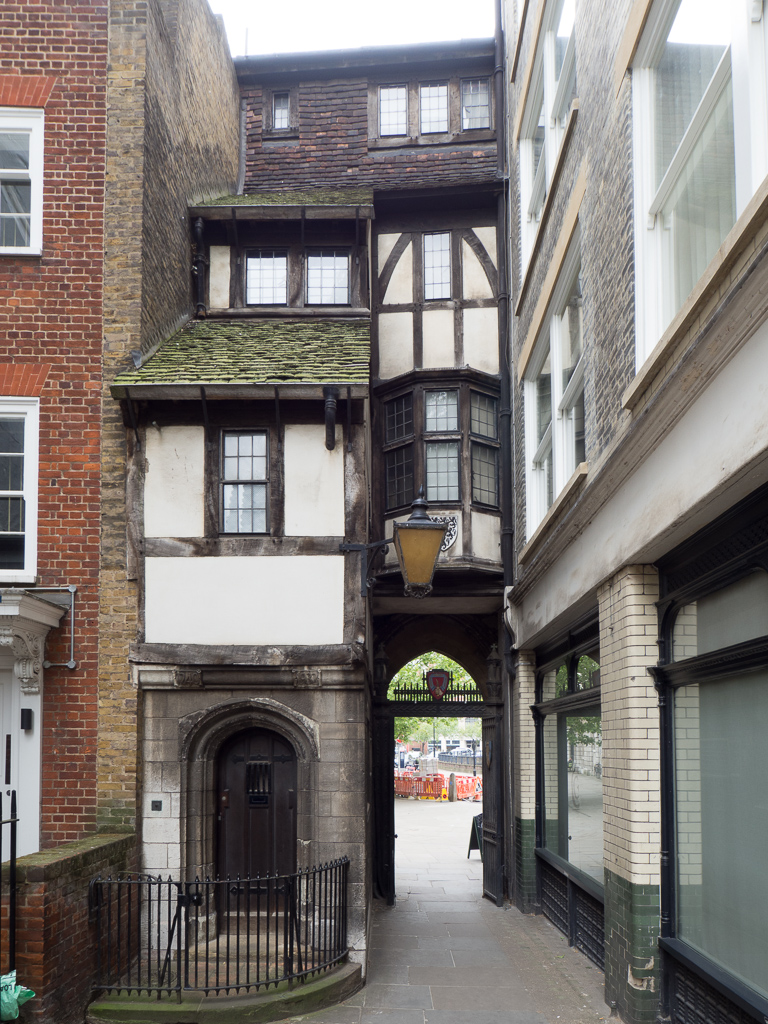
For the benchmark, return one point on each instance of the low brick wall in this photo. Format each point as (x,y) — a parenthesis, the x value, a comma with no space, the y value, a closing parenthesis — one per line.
(55,942)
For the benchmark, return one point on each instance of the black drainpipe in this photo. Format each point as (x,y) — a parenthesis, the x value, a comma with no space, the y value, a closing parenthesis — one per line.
(505,411)
(199,263)
(331,396)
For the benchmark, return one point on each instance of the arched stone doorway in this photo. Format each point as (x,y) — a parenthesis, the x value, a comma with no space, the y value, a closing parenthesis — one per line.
(257,729)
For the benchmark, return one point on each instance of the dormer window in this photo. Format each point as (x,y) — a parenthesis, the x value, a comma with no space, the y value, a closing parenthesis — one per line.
(280,110)
(266,278)
(328,277)
(433,108)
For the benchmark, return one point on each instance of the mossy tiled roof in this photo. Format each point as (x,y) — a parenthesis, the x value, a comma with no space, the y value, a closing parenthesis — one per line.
(298,197)
(268,351)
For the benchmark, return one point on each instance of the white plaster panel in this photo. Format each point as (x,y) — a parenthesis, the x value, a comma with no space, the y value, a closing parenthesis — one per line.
(272,600)
(488,237)
(710,449)
(400,287)
(314,482)
(481,339)
(174,482)
(475,281)
(438,339)
(218,277)
(386,244)
(395,344)
(486,536)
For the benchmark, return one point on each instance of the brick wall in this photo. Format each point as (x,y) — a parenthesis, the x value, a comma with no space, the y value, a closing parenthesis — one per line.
(50,346)
(631,795)
(603,138)
(173,139)
(524,748)
(55,941)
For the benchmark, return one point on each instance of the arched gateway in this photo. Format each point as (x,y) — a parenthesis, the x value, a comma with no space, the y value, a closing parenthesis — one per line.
(481,700)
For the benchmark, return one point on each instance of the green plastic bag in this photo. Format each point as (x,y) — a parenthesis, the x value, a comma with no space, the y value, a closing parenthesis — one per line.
(12,996)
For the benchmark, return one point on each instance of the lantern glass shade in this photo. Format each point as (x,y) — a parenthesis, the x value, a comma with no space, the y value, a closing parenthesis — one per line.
(417,545)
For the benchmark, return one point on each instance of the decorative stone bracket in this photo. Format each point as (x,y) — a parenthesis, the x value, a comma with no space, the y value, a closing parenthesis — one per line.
(27,648)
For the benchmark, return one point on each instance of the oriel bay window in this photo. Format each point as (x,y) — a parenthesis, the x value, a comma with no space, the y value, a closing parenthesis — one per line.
(446,438)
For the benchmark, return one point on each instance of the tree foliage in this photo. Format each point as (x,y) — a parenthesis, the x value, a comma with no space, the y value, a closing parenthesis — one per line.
(419,730)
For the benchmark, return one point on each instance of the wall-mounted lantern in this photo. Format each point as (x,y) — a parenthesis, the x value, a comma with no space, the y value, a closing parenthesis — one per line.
(417,544)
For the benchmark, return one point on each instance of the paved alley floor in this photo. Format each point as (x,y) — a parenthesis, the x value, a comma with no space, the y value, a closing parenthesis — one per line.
(445,955)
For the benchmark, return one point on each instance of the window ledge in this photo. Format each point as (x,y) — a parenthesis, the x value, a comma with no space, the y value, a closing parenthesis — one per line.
(274,312)
(734,245)
(548,202)
(554,512)
(469,136)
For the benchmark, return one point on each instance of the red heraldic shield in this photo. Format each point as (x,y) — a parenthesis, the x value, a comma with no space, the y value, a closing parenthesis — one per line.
(437,682)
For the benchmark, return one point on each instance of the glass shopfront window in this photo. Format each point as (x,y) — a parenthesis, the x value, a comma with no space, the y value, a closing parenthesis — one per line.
(721,815)
(570,761)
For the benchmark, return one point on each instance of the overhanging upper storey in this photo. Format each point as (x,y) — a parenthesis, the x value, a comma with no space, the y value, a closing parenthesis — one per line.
(254,359)
(290,204)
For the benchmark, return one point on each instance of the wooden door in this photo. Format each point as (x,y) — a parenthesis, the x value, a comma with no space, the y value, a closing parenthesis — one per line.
(493,831)
(256,806)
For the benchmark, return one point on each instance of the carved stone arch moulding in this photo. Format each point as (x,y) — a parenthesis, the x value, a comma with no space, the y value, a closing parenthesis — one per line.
(202,733)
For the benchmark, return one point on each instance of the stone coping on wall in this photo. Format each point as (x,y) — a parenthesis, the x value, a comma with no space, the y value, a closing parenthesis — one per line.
(71,859)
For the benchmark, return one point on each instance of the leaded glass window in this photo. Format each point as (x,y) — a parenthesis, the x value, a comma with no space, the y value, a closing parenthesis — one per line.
(244,482)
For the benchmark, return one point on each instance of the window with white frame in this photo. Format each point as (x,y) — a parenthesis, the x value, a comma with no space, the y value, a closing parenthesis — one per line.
(266,278)
(328,277)
(437,265)
(701,145)
(475,104)
(244,481)
(554,397)
(280,110)
(441,416)
(393,110)
(433,108)
(19,427)
(21,181)
(552,90)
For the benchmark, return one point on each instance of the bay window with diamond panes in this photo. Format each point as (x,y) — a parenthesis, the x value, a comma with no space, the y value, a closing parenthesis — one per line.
(554,397)
(445,439)
(244,481)
(548,103)
(700,145)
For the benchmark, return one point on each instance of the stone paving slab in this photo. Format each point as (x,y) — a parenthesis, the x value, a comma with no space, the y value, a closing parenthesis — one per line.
(445,955)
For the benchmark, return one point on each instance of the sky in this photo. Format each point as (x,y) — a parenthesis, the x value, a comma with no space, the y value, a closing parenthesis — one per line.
(297,25)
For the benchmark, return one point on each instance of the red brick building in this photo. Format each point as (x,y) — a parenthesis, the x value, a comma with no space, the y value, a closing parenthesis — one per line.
(90,172)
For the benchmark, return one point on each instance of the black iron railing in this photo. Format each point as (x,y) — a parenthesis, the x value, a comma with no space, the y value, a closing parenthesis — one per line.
(9,852)
(163,936)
